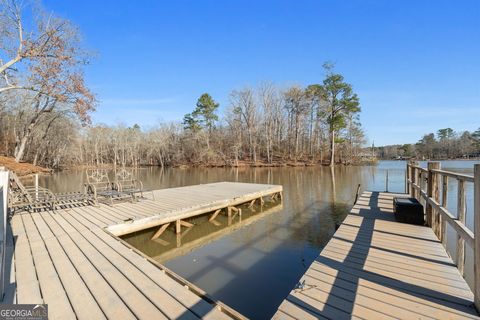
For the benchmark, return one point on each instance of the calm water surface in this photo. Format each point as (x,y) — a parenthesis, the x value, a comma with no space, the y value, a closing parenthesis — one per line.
(253,263)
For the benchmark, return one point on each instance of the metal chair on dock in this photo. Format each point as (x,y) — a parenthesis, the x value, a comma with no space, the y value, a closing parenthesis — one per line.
(72,199)
(36,198)
(100,187)
(124,182)
(21,198)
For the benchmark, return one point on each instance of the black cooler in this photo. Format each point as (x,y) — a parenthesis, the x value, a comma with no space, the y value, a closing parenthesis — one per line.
(408,210)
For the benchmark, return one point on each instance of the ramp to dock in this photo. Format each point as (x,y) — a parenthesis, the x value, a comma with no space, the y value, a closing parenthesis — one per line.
(376,268)
(68,260)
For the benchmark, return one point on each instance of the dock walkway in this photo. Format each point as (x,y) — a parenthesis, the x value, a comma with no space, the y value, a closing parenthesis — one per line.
(376,268)
(71,259)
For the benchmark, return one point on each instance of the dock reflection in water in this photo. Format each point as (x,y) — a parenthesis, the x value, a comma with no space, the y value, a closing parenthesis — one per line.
(171,245)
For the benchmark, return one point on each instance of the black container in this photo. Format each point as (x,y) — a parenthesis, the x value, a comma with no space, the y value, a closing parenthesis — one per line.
(408,210)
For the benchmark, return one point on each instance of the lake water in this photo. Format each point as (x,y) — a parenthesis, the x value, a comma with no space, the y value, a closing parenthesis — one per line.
(253,264)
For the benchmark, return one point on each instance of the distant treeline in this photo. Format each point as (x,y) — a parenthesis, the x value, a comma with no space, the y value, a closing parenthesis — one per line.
(445,144)
(265,125)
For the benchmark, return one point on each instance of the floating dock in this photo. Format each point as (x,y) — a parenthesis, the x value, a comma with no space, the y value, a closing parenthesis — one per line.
(72,259)
(376,268)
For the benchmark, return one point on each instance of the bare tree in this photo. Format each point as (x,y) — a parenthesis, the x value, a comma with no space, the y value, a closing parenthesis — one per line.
(297,107)
(244,104)
(50,73)
(270,102)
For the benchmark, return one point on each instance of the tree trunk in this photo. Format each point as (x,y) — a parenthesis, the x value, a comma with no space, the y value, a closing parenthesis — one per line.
(332,148)
(21,148)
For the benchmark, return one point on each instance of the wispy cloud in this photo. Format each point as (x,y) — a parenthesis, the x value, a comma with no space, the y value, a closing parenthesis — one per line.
(136,101)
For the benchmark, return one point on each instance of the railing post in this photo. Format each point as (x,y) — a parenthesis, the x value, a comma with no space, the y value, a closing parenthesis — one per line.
(461,217)
(432,192)
(476,232)
(413,177)
(406,179)
(443,225)
(420,183)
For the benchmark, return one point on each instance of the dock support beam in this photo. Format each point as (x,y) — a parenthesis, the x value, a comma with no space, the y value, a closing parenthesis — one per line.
(476,231)
(160,231)
(214,215)
(180,223)
(236,210)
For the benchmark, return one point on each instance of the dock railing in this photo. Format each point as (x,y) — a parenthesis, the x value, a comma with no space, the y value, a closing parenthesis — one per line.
(431,185)
(3,226)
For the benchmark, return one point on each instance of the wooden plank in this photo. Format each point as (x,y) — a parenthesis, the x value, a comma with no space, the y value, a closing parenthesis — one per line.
(214,215)
(424,305)
(50,285)
(28,288)
(296,312)
(455,175)
(78,294)
(159,297)
(160,231)
(374,267)
(108,300)
(372,306)
(136,301)
(459,227)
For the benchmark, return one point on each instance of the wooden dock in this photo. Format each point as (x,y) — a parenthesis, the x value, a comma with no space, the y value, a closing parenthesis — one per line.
(376,268)
(72,260)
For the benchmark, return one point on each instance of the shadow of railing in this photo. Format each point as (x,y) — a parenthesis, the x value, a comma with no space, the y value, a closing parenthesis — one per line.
(343,290)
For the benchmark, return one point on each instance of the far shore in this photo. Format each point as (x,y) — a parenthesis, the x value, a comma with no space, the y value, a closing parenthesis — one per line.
(26,169)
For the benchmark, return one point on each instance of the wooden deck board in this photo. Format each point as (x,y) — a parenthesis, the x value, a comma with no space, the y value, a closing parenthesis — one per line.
(108,300)
(51,286)
(67,259)
(77,292)
(374,267)
(159,297)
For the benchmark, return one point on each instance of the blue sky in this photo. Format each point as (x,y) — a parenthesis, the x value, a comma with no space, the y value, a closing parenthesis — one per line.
(414,64)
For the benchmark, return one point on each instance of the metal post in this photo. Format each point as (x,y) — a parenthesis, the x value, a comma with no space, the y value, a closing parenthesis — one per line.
(36,186)
(386,182)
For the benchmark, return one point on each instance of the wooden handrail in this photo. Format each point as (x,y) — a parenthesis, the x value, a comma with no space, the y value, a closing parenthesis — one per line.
(455,175)
(438,215)
(458,176)
(419,168)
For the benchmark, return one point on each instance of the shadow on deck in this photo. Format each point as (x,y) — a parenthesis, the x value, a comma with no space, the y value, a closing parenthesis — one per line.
(375,267)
